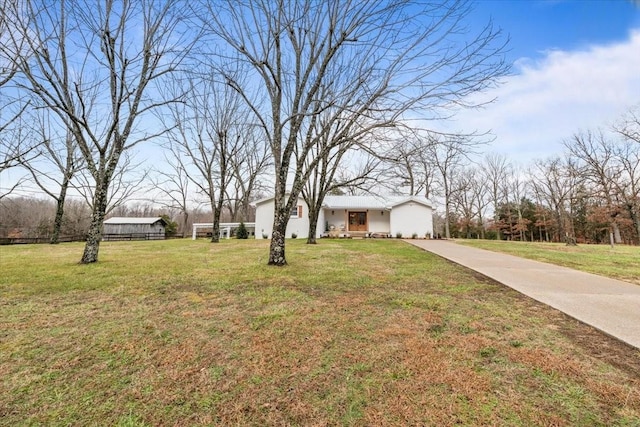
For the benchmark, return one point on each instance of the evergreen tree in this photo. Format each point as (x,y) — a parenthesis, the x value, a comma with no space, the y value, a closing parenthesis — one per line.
(241,232)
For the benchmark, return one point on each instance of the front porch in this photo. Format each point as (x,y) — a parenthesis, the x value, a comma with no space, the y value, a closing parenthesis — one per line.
(356,224)
(337,234)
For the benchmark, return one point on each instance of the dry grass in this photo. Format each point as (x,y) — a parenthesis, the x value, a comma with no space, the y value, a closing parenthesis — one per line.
(350,333)
(620,262)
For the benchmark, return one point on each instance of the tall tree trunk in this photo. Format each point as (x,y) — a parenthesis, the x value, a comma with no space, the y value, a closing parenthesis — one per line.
(94,236)
(635,218)
(217,210)
(522,232)
(276,249)
(447,231)
(57,223)
(314,213)
(560,225)
(215,234)
(185,222)
(616,232)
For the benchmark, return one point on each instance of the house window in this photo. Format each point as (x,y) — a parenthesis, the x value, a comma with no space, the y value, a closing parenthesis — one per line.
(296,211)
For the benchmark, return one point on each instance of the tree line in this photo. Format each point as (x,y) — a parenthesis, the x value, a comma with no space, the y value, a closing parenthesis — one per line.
(589,193)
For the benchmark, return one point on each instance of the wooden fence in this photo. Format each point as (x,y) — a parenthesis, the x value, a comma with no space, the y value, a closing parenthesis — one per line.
(82,238)
(45,239)
(132,236)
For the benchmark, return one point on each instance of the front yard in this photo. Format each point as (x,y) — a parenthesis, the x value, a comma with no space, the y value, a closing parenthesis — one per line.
(352,332)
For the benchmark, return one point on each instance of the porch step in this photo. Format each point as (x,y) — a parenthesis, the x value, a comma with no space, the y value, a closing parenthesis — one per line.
(358,234)
(354,234)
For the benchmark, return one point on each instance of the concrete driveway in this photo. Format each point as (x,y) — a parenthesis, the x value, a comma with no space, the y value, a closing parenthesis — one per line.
(609,305)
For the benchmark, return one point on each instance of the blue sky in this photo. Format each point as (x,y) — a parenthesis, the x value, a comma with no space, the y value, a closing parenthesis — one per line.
(576,67)
(539,25)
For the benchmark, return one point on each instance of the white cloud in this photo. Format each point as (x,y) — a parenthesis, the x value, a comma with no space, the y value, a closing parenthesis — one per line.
(548,100)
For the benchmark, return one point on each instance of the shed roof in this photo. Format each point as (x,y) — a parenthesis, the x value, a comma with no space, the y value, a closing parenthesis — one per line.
(128,220)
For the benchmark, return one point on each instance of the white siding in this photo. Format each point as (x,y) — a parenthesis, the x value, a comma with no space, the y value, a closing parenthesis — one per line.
(336,218)
(411,217)
(321,224)
(264,220)
(378,221)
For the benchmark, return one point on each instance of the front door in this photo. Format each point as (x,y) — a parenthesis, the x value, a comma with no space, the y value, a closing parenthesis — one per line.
(357,221)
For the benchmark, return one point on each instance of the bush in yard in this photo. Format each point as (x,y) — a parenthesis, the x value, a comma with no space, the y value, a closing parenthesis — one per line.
(241,232)
(398,235)
(171,228)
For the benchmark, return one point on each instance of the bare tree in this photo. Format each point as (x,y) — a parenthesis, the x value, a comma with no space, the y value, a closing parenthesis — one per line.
(596,155)
(517,190)
(554,182)
(496,169)
(461,198)
(56,167)
(248,168)
(126,181)
(449,154)
(171,187)
(479,198)
(16,144)
(329,173)
(627,156)
(408,162)
(94,67)
(374,59)
(208,131)
(629,126)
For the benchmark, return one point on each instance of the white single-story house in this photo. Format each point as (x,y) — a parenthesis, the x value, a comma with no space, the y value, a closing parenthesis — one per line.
(125,228)
(353,216)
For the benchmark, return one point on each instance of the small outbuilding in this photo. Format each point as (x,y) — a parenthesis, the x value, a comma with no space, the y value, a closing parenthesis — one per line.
(124,228)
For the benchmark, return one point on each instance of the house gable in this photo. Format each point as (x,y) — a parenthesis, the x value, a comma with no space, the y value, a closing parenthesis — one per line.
(412,199)
(298,221)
